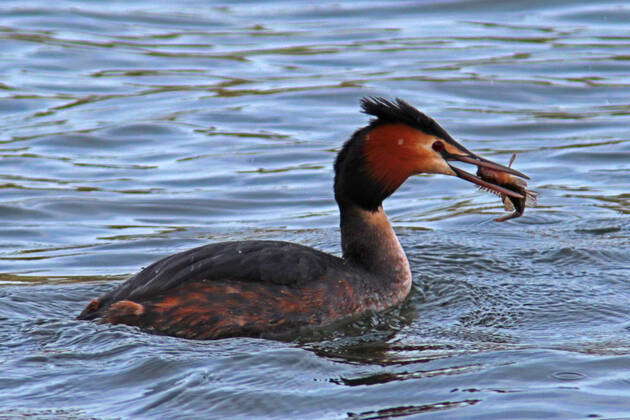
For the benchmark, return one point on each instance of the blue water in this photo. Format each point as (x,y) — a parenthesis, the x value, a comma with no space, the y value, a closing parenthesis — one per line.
(133,130)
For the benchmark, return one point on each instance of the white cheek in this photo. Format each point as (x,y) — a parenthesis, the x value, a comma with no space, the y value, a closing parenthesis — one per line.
(434,163)
(439,166)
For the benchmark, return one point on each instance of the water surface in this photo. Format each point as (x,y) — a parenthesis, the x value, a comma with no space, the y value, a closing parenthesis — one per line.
(133,130)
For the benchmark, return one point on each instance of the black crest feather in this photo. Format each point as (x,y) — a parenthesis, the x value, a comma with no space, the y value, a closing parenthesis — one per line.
(400,111)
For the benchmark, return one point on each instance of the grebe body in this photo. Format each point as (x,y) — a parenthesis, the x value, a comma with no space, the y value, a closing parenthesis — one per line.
(264,288)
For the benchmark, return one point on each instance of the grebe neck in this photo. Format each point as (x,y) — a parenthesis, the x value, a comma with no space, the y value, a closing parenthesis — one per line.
(368,241)
(367,238)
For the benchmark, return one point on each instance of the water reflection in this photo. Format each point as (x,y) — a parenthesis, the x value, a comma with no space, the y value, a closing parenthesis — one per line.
(136,131)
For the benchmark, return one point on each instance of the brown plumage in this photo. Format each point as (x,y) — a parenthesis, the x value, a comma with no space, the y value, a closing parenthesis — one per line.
(270,288)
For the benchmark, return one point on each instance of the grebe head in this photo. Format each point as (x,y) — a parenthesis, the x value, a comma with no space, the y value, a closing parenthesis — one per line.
(399,142)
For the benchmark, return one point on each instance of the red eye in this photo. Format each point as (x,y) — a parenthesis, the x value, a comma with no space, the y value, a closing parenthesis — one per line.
(438,146)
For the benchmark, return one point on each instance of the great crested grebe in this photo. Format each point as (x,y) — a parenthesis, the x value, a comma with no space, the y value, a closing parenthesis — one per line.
(261,288)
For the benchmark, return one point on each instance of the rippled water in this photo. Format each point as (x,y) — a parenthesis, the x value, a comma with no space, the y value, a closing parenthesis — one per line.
(132,130)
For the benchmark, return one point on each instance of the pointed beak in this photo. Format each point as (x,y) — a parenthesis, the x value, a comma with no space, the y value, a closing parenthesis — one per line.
(482,163)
